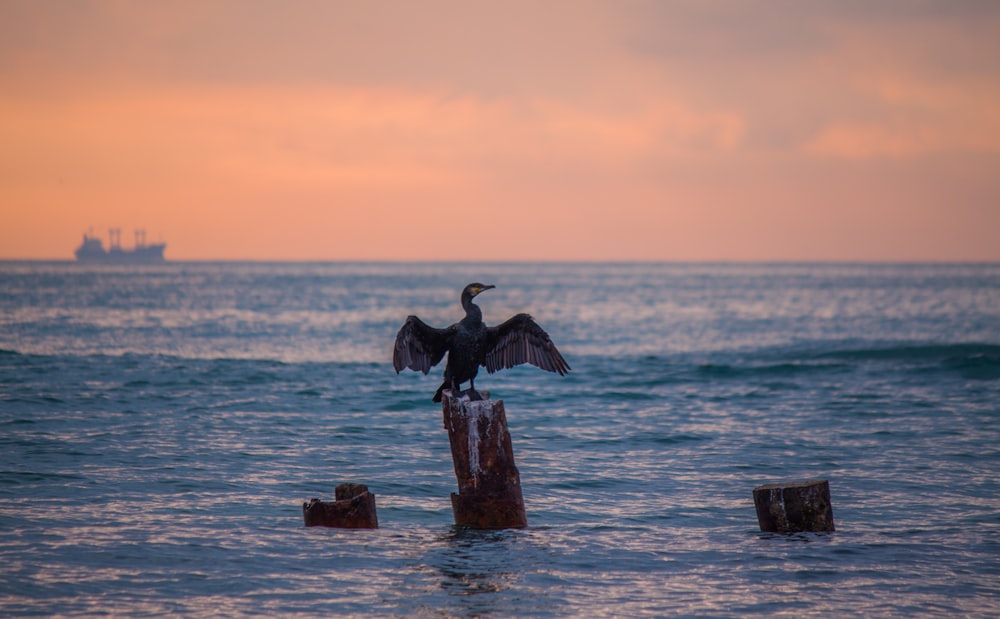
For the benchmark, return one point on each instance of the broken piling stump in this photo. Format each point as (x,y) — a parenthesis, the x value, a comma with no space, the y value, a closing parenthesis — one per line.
(353,508)
(794,507)
(489,485)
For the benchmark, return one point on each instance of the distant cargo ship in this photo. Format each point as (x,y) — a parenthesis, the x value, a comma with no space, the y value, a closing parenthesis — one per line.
(92,250)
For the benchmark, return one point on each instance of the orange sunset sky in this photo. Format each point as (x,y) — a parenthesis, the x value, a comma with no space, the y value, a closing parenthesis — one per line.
(465,130)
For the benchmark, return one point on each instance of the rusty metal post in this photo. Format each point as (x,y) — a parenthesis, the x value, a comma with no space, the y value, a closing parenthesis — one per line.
(794,507)
(489,485)
(353,508)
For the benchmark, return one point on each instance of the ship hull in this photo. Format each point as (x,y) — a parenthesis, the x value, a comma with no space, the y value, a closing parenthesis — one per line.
(151,254)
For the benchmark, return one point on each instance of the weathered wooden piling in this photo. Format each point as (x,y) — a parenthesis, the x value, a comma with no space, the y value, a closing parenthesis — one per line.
(794,507)
(489,485)
(353,508)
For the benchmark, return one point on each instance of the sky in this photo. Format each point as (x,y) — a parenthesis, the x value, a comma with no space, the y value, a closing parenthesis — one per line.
(579,130)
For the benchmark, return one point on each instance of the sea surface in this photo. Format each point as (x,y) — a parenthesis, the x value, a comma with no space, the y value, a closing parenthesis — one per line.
(161,427)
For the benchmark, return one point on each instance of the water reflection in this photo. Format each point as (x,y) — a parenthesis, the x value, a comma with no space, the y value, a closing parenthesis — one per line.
(804,537)
(485,573)
(473,561)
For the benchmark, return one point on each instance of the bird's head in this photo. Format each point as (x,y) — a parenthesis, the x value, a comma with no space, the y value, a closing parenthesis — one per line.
(473,289)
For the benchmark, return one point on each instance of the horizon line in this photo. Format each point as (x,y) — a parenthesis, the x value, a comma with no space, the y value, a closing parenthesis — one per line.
(623,261)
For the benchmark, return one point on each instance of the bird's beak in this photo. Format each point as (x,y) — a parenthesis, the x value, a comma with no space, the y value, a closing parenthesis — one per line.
(485,287)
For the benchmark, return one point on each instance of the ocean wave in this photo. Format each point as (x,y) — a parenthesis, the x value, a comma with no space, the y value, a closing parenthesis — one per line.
(971,360)
(773,370)
(918,352)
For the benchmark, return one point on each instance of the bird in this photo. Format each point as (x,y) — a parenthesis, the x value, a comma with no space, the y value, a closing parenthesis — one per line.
(471,344)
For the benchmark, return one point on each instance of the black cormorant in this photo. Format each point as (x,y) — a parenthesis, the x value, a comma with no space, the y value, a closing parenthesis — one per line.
(470,344)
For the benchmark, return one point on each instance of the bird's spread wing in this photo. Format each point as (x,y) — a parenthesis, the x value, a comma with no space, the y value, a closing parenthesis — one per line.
(521,340)
(419,346)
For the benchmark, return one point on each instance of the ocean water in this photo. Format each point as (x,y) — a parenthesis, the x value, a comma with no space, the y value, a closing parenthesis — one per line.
(160,428)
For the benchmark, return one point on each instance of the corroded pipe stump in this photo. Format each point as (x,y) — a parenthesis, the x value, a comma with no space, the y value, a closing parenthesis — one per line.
(489,485)
(794,507)
(353,508)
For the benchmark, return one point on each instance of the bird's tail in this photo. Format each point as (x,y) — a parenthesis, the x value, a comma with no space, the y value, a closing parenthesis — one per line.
(437,394)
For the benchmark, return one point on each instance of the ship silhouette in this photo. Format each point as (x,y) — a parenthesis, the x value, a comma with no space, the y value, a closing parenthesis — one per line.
(92,249)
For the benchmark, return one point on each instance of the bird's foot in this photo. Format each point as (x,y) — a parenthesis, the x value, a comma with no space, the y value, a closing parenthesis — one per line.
(474,395)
